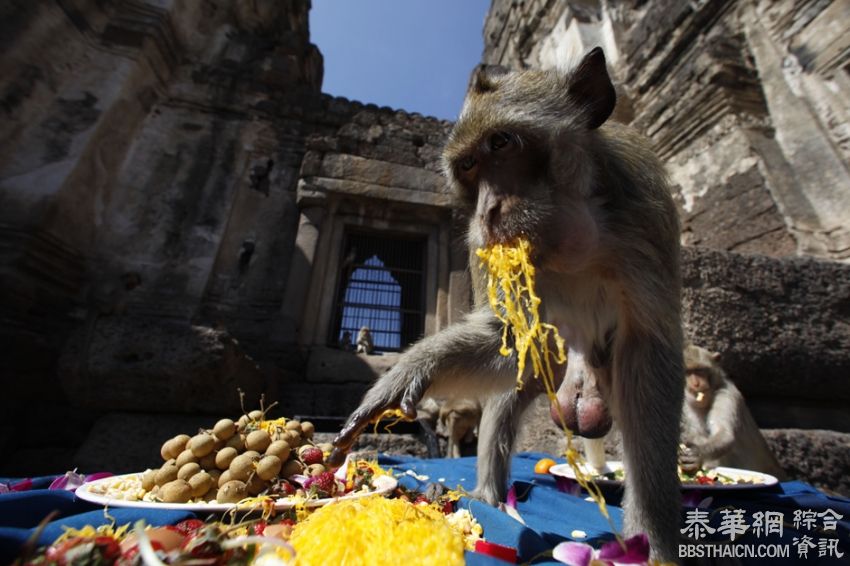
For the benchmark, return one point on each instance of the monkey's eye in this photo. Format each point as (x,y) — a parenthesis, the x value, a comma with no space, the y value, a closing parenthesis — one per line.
(499,140)
(467,163)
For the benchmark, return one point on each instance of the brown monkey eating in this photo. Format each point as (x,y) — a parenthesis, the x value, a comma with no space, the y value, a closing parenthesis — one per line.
(532,156)
(718,429)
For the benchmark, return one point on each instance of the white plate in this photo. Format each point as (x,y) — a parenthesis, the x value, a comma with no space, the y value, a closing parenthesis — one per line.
(84,492)
(764,480)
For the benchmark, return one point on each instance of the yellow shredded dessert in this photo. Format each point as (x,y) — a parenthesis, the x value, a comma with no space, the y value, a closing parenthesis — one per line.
(376,530)
(510,291)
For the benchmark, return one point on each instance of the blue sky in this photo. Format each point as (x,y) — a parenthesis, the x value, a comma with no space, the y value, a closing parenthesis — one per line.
(410,54)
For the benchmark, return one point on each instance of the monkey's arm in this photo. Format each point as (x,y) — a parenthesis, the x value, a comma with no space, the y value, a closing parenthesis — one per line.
(722,424)
(463,358)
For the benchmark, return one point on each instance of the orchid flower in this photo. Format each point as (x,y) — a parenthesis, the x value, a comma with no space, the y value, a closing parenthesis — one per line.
(567,485)
(72,480)
(693,498)
(634,550)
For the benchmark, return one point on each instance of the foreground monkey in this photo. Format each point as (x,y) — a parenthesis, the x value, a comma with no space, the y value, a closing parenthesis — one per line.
(529,156)
(718,429)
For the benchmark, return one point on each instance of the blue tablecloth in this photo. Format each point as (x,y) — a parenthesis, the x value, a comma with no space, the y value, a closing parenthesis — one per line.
(550,516)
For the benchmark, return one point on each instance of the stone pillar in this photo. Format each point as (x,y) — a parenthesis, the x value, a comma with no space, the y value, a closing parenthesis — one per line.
(298,283)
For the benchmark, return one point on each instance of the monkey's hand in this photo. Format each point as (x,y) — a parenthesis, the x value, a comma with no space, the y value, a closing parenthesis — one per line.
(456,357)
(689,459)
(397,389)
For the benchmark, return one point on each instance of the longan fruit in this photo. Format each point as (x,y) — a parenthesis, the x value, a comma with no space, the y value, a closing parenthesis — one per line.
(291,468)
(224,457)
(241,467)
(325,447)
(258,441)
(223,478)
(224,429)
(208,461)
(186,471)
(232,492)
(176,491)
(201,444)
(200,483)
(185,457)
(149,480)
(256,486)
(167,473)
(269,467)
(256,415)
(214,474)
(292,437)
(307,429)
(314,470)
(243,422)
(236,442)
(279,448)
(170,449)
(293,425)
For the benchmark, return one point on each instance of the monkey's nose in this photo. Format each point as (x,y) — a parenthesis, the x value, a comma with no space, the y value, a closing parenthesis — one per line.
(494,214)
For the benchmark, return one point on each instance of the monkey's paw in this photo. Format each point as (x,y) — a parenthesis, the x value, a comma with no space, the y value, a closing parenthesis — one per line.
(489,496)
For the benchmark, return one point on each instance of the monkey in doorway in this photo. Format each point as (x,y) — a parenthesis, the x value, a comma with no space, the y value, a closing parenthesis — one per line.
(364,341)
(717,427)
(532,155)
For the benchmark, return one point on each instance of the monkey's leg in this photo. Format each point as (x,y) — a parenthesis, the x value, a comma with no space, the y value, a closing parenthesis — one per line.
(453,446)
(648,392)
(462,360)
(497,432)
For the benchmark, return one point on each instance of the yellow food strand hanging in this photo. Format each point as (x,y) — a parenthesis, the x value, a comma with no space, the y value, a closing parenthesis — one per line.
(510,271)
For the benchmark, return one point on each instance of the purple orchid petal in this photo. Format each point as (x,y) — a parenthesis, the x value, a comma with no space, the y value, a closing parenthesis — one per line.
(636,550)
(573,553)
(23,485)
(70,481)
(567,485)
(342,472)
(4,488)
(510,500)
(694,498)
(303,481)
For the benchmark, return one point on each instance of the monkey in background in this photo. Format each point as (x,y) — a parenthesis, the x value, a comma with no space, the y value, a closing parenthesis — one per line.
(531,155)
(459,419)
(364,341)
(717,427)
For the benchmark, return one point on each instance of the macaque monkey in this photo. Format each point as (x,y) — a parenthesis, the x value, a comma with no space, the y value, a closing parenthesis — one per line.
(459,419)
(531,155)
(718,429)
(364,341)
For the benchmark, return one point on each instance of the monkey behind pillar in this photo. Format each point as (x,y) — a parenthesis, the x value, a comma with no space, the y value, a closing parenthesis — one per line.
(718,429)
(532,156)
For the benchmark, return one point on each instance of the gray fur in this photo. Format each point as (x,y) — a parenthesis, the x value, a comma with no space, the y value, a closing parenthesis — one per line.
(597,208)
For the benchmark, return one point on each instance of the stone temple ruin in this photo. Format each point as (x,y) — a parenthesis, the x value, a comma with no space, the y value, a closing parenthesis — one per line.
(184,212)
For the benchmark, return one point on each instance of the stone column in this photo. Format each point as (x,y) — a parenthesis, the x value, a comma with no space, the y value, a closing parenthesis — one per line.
(300,273)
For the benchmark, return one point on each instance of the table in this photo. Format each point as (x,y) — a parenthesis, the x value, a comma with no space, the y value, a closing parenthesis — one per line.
(550,515)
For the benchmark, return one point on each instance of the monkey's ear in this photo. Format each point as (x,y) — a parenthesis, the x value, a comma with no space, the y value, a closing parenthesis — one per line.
(714,356)
(482,79)
(591,87)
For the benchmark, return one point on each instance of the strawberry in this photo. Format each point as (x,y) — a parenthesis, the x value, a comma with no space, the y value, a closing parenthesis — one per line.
(311,455)
(324,484)
(283,488)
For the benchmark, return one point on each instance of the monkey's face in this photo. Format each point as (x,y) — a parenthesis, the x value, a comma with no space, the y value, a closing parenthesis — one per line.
(698,390)
(519,159)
